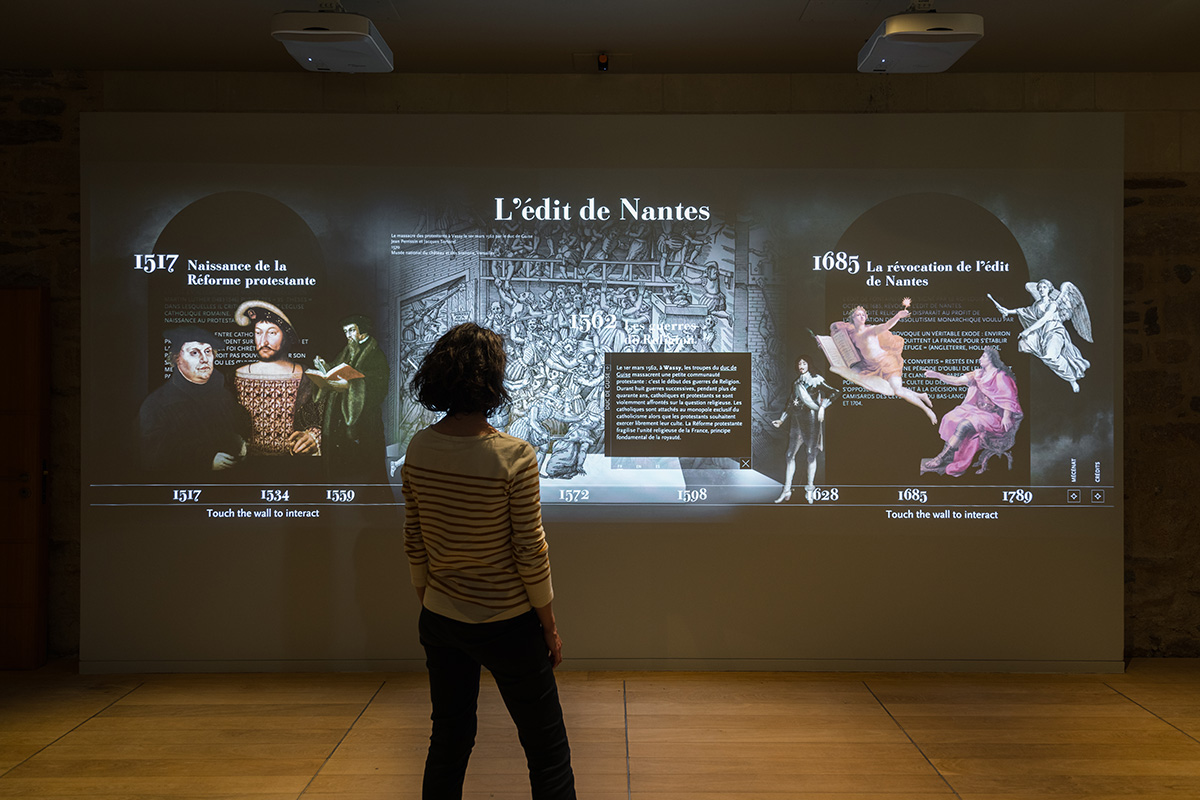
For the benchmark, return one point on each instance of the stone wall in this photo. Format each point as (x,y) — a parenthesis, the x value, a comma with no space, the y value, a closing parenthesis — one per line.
(1162,414)
(40,244)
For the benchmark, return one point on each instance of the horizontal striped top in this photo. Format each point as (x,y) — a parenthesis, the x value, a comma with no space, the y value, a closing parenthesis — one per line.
(473,525)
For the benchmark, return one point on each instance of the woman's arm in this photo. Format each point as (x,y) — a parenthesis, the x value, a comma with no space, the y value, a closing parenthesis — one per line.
(414,542)
(961,380)
(899,315)
(529,547)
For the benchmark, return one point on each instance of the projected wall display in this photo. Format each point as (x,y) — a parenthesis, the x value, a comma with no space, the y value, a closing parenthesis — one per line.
(919,341)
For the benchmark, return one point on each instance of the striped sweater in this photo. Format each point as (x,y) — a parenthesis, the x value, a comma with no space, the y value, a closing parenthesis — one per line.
(473,525)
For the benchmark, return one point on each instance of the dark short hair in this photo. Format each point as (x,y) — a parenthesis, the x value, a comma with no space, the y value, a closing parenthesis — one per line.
(361,320)
(463,372)
(993,354)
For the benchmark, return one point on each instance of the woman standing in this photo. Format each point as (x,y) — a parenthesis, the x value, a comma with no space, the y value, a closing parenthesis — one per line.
(474,539)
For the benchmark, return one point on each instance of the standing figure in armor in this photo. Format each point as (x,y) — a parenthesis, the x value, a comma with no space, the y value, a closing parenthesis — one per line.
(806,409)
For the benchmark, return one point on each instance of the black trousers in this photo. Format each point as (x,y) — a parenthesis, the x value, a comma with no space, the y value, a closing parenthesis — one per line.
(514,651)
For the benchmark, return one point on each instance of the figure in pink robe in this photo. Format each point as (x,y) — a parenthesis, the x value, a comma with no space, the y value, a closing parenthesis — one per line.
(990,408)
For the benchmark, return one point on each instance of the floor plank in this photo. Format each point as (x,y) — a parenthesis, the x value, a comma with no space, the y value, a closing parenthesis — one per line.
(634,736)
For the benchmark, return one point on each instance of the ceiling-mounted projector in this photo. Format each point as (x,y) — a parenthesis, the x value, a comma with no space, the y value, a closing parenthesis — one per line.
(922,42)
(332,41)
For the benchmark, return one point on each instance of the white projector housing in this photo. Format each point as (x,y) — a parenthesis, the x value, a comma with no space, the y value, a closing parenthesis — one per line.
(332,41)
(922,42)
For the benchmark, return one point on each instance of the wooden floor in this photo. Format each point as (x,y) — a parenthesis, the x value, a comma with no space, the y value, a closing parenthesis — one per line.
(669,736)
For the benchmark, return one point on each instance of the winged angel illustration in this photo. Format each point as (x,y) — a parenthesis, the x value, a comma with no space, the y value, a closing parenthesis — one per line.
(1043,329)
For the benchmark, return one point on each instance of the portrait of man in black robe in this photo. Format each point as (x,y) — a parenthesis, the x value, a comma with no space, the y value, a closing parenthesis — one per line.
(191,427)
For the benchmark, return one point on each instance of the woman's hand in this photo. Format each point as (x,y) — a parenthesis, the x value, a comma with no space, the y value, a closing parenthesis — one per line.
(545,616)
(554,645)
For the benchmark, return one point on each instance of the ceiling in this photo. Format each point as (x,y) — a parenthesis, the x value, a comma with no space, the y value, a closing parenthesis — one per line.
(563,36)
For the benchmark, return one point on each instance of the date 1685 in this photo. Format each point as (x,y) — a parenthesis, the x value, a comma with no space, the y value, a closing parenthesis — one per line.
(840,261)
